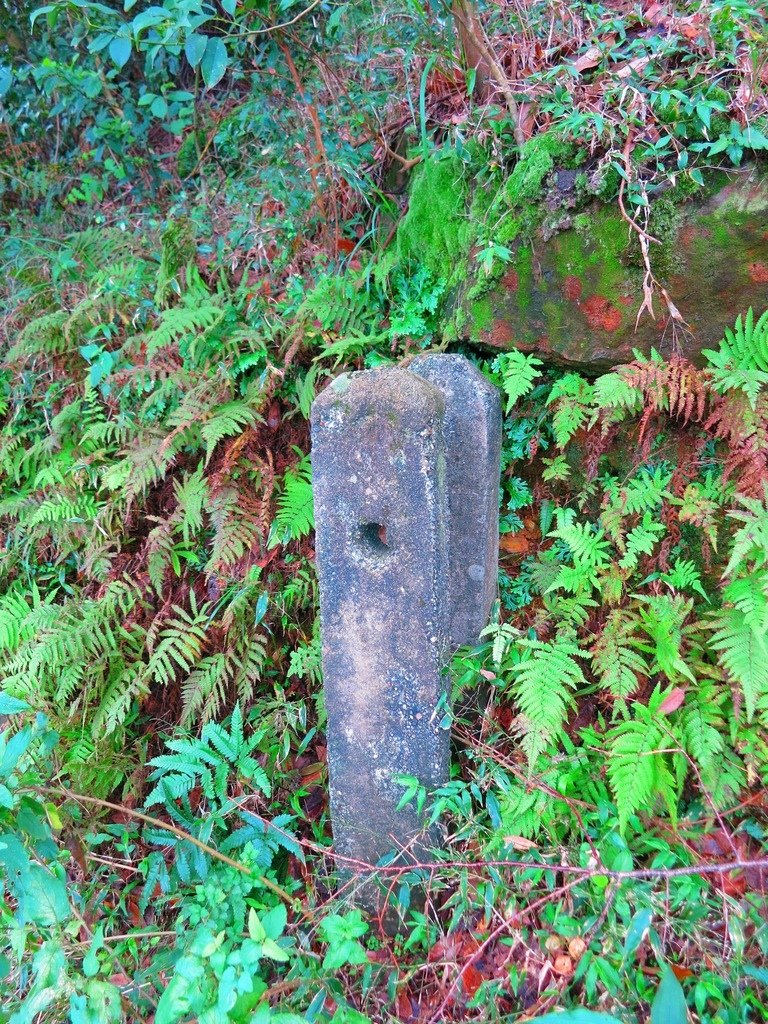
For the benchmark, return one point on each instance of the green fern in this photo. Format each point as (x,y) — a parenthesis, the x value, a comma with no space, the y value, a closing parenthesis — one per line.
(662,619)
(542,685)
(573,399)
(615,658)
(613,391)
(182,637)
(518,371)
(182,324)
(589,550)
(684,576)
(641,541)
(209,763)
(743,655)
(741,362)
(295,511)
(638,767)
(192,497)
(228,420)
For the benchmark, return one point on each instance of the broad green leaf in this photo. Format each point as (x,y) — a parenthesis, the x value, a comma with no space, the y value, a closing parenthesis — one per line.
(637,930)
(14,859)
(120,50)
(13,750)
(11,705)
(48,9)
(44,897)
(214,62)
(194,48)
(271,949)
(6,77)
(90,960)
(151,16)
(669,1005)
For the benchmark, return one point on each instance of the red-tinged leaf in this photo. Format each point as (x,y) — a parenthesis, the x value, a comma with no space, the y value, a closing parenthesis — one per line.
(672,701)
(404,1007)
(681,972)
(515,543)
(471,980)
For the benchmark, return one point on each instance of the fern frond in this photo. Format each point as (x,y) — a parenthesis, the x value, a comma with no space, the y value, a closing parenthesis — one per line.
(615,659)
(684,576)
(42,336)
(743,654)
(235,532)
(192,497)
(542,685)
(612,391)
(573,397)
(295,510)
(180,324)
(741,362)
(228,420)
(518,372)
(182,639)
(637,769)
(641,540)
(662,619)
(589,550)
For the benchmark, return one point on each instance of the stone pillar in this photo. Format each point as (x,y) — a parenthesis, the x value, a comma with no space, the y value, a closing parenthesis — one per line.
(472,434)
(404,464)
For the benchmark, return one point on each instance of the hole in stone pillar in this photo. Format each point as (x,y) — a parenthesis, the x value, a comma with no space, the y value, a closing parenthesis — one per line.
(374,536)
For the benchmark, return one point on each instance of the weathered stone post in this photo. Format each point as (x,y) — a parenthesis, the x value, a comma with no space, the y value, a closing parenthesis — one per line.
(472,435)
(405,475)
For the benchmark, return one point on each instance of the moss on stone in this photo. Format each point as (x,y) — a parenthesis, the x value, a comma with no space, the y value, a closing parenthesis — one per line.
(597,246)
(525,282)
(481,313)
(435,231)
(538,158)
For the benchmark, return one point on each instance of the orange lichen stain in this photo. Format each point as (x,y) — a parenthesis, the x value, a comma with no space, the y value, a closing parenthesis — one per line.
(502,334)
(600,313)
(572,288)
(612,319)
(759,272)
(511,280)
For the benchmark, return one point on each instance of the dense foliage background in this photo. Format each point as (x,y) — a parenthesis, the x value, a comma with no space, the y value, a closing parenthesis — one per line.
(205,216)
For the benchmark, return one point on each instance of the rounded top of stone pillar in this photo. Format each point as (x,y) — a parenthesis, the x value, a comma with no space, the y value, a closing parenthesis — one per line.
(454,372)
(389,391)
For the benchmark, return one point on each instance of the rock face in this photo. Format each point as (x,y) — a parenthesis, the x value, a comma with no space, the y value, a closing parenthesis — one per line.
(574,298)
(389,450)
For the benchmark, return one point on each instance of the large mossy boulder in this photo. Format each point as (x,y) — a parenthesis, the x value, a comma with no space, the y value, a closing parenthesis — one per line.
(573,297)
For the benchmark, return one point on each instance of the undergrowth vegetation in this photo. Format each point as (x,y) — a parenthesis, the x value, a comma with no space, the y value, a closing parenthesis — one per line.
(204,219)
